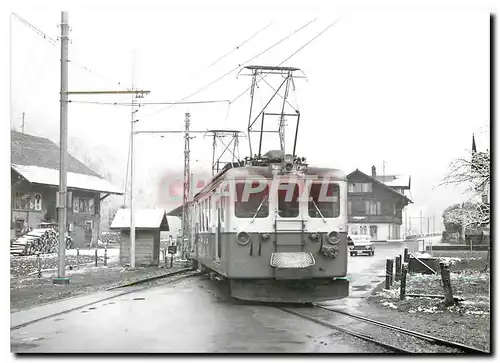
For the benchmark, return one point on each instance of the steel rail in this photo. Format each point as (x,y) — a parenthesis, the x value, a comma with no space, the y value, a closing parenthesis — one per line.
(416,334)
(346,331)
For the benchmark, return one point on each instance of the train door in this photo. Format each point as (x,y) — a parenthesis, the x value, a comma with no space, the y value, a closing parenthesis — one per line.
(218,242)
(289,224)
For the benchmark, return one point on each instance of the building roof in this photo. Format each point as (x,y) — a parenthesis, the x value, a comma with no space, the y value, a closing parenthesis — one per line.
(177,212)
(37,160)
(46,176)
(395,181)
(390,188)
(144,219)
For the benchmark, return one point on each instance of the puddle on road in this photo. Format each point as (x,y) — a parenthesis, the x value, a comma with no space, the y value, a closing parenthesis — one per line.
(360,288)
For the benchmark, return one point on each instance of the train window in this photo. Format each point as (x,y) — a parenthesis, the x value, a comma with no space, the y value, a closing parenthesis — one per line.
(199,217)
(324,204)
(256,203)
(288,200)
(210,221)
(222,201)
(206,215)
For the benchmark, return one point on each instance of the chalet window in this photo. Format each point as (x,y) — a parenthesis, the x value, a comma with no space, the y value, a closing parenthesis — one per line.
(358,207)
(374,208)
(83,205)
(28,201)
(360,187)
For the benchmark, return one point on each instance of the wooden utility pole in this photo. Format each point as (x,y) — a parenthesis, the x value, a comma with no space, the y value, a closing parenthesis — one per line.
(186,229)
(62,196)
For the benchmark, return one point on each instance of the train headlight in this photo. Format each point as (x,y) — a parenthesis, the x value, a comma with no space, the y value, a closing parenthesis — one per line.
(288,159)
(333,237)
(243,238)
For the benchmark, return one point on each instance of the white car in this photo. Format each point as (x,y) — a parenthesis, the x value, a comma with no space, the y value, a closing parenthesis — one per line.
(360,243)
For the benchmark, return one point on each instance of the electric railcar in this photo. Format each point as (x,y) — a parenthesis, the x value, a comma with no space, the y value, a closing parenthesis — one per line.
(276,228)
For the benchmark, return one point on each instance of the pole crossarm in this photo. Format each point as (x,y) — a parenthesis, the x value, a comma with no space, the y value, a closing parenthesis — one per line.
(109,92)
(169,132)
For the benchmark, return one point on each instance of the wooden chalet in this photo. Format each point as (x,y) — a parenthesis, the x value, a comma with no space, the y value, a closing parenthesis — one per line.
(35,183)
(376,203)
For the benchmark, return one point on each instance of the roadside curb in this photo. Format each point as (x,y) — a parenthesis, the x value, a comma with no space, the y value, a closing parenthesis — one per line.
(29,316)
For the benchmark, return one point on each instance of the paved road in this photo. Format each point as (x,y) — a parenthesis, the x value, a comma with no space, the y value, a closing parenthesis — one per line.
(195,315)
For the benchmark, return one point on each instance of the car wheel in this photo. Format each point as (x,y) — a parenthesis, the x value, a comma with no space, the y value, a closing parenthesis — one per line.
(373,253)
(352,254)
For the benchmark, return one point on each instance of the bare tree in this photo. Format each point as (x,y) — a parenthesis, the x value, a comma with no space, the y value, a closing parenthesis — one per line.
(473,172)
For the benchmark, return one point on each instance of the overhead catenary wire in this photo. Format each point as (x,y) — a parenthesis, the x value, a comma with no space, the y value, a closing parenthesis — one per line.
(289,57)
(235,68)
(55,44)
(238,47)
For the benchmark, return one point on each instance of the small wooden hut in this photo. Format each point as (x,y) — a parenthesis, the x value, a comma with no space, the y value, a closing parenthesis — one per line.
(148,225)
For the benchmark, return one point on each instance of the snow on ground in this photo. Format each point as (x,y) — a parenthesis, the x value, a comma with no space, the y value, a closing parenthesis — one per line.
(113,254)
(450,260)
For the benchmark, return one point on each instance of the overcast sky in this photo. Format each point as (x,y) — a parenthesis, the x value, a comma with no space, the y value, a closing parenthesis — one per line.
(407,88)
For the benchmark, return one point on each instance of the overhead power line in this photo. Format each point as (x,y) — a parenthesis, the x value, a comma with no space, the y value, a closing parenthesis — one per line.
(290,56)
(236,68)
(49,39)
(55,43)
(237,47)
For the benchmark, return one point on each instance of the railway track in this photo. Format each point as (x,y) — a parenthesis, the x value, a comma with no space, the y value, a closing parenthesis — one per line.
(425,343)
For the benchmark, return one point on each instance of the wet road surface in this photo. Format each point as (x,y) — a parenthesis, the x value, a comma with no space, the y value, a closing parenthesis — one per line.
(195,315)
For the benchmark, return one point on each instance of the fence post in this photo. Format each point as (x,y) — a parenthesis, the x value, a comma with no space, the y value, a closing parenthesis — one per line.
(402,291)
(77,257)
(406,255)
(96,257)
(398,267)
(106,254)
(445,277)
(388,274)
(39,264)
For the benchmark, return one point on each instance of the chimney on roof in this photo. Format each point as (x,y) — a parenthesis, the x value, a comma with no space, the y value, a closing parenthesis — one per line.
(374,171)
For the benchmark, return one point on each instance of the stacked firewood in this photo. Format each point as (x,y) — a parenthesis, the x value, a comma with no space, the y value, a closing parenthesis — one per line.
(38,241)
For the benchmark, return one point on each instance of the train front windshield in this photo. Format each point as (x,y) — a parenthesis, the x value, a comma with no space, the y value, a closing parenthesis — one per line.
(324,200)
(251,200)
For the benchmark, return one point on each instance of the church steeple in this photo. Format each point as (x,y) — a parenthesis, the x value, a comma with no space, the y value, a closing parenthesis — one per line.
(473,144)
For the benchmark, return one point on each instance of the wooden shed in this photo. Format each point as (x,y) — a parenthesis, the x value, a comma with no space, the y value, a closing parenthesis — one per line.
(148,224)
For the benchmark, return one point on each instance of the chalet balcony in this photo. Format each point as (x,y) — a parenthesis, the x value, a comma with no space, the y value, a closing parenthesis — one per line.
(375,219)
